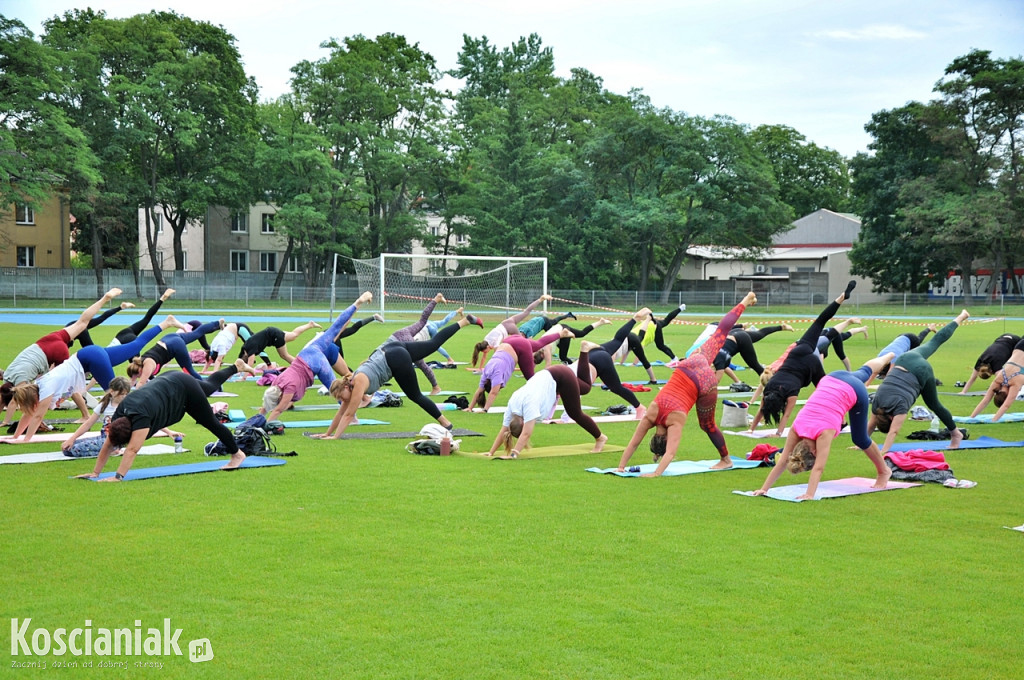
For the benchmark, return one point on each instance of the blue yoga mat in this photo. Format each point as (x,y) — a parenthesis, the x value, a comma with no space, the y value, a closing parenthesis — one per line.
(190,468)
(680,467)
(986,419)
(979,443)
(319,423)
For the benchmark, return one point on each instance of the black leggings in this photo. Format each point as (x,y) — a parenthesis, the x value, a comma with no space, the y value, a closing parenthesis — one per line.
(742,342)
(563,343)
(198,406)
(632,339)
(605,366)
(351,328)
(126,335)
(835,339)
(400,357)
(213,382)
(84,339)
(570,386)
(659,337)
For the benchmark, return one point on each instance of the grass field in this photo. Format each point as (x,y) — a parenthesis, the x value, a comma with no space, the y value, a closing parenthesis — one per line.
(359,560)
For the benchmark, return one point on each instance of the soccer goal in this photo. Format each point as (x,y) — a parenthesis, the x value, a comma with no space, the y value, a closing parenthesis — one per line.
(404,282)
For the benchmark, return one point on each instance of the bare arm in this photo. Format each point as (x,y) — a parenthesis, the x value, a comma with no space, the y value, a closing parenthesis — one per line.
(780,464)
(130,451)
(1011,396)
(820,458)
(675,433)
(82,429)
(638,436)
(32,423)
(790,405)
(970,381)
(282,406)
(894,430)
(498,440)
(491,396)
(989,393)
(524,437)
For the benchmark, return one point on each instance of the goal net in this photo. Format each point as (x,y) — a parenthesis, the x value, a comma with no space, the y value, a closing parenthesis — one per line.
(404,282)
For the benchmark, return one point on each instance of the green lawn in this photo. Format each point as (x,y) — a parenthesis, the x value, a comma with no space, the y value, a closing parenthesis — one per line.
(359,560)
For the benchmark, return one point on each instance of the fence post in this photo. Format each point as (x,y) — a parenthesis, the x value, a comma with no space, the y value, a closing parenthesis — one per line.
(723,301)
(247,296)
(15,293)
(63,296)
(904,303)
(291,296)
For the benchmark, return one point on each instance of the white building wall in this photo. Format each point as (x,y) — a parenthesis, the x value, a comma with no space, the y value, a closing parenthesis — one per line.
(191,243)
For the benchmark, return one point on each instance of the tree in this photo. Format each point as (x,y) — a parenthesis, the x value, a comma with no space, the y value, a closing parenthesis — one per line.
(40,148)
(810,178)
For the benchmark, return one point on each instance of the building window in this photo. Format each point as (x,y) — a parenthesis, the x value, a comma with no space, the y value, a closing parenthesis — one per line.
(461,239)
(239,223)
(158,222)
(26,256)
(294,266)
(267,226)
(239,260)
(24,215)
(268,262)
(434,230)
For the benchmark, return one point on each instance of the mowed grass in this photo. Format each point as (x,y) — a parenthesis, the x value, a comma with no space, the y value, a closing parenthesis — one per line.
(357,559)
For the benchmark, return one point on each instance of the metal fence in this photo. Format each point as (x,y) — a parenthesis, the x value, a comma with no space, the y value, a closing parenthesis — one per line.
(28,287)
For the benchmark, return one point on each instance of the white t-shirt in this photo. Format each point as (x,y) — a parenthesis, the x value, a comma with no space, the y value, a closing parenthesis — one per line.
(67,378)
(222,342)
(496,335)
(533,401)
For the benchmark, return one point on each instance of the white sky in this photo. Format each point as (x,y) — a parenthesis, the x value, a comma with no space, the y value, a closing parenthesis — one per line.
(819,66)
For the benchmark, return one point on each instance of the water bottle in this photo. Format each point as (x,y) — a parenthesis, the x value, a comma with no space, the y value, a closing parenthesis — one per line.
(936,424)
(178,448)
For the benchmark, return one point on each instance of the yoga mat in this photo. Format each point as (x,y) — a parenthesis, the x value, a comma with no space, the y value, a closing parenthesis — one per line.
(969,394)
(597,419)
(644,382)
(319,423)
(851,486)
(742,396)
(190,469)
(558,407)
(680,467)
(151,450)
(1020,528)
(986,419)
(442,393)
(547,451)
(54,437)
(223,394)
(979,443)
(457,432)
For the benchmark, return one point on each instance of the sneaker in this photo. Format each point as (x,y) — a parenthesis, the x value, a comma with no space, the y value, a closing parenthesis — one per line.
(475,320)
(571,316)
(378,318)
(682,307)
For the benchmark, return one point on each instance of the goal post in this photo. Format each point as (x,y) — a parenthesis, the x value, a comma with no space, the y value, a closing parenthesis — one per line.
(404,282)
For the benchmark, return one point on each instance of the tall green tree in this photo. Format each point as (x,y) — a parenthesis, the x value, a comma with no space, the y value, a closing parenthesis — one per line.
(41,151)
(377,105)
(810,177)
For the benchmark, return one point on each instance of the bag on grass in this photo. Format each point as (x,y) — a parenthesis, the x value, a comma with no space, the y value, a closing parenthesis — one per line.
(460,401)
(733,414)
(251,438)
(429,441)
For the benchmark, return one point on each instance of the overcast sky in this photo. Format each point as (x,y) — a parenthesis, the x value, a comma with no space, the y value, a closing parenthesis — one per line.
(819,66)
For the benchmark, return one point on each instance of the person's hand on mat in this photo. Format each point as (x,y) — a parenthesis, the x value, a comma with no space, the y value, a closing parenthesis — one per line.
(760,492)
(109,479)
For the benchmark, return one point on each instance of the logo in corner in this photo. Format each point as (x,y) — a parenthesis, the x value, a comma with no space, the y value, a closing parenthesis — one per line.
(200,650)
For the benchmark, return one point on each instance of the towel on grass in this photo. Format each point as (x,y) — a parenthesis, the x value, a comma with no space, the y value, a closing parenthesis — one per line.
(836,488)
(678,467)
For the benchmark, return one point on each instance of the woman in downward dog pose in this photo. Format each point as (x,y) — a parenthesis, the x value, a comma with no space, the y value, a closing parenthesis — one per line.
(801,367)
(395,360)
(694,382)
(498,369)
(171,346)
(992,359)
(1006,384)
(909,377)
(496,335)
(255,344)
(839,394)
(536,400)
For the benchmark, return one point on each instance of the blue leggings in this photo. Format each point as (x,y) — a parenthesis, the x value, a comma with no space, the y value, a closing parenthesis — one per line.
(100,361)
(859,411)
(434,326)
(321,353)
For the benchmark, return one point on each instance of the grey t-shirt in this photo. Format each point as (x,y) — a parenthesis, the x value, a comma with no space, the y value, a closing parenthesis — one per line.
(897,393)
(376,369)
(30,363)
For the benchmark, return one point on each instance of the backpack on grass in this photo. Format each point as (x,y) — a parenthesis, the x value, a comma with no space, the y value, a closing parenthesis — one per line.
(251,438)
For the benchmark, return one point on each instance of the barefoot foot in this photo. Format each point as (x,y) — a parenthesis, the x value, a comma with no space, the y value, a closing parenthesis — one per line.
(599,444)
(235,462)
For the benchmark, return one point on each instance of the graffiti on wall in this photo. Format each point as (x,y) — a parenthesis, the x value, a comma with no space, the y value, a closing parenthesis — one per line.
(982,284)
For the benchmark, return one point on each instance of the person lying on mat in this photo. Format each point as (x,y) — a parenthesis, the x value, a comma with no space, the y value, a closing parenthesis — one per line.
(693,382)
(910,377)
(536,400)
(838,394)
(496,335)
(320,358)
(515,349)
(390,360)
(160,403)
(1006,385)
